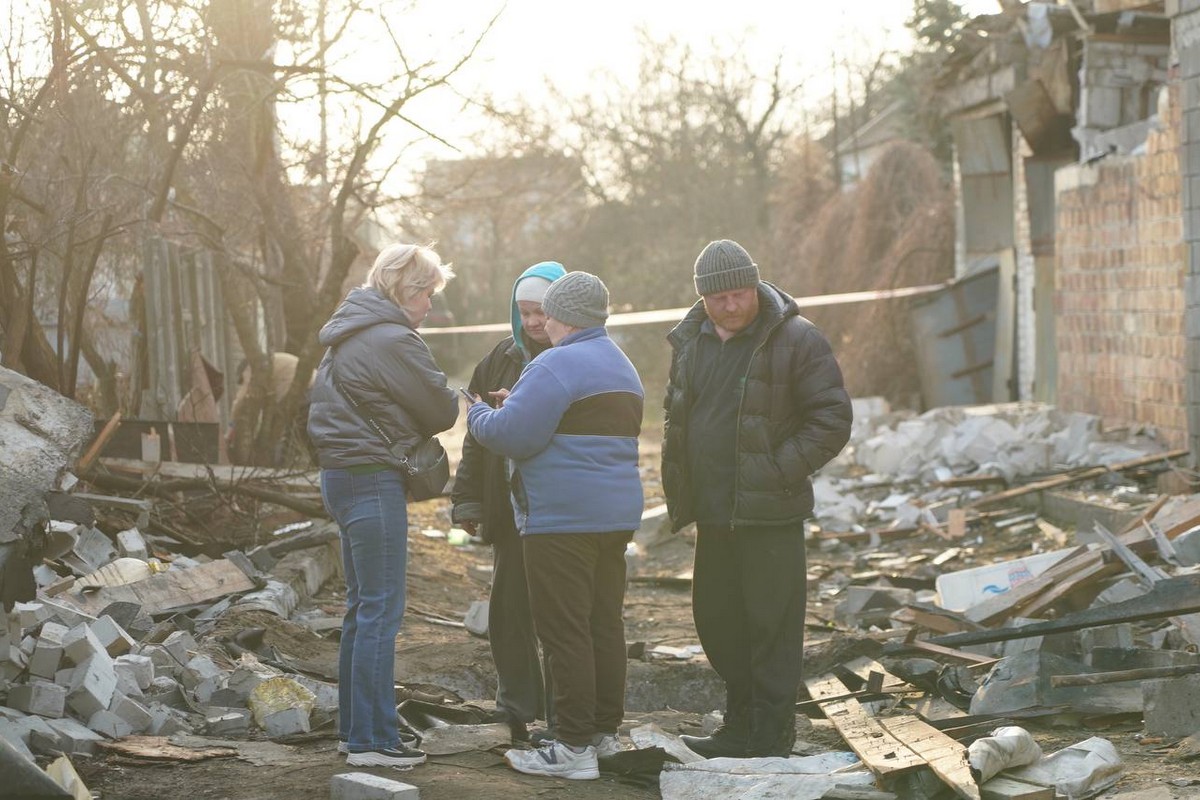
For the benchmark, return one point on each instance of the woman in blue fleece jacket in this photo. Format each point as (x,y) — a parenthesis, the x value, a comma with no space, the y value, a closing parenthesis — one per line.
(570,428)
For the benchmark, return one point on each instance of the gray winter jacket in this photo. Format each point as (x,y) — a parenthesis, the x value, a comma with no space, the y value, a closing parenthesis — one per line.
(388,369)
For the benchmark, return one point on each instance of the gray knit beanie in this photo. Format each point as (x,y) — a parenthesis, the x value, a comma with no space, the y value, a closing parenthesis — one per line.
(578,299)
(722,266)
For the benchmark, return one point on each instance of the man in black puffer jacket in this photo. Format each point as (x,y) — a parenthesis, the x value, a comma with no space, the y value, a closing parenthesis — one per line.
(755,405)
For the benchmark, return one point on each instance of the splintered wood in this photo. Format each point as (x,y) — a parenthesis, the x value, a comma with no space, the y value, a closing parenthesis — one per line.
(946,757)
(892,746)
(879,750)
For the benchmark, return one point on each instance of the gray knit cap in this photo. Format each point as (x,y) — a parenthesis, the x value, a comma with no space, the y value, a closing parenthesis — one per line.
(722,266)
(578,299)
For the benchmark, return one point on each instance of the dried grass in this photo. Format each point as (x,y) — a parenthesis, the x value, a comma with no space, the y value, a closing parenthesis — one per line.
(895,229)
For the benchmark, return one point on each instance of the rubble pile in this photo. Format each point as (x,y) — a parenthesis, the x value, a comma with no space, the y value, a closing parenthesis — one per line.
(904,469)
(963,594)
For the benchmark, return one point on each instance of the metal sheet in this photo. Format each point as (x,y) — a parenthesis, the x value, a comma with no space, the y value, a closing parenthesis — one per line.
(954,330)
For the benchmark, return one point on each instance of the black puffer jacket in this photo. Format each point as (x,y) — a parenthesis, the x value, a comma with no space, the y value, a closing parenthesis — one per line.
(794,416)
(481,491)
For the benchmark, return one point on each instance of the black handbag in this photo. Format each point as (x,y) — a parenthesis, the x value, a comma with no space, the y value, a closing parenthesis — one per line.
(426,466)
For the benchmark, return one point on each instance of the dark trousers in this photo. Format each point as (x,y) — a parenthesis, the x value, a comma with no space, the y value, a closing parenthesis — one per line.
(520,690)
(748,598)
(577,590)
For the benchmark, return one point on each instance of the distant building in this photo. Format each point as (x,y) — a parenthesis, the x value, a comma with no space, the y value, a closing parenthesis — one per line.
(861,149)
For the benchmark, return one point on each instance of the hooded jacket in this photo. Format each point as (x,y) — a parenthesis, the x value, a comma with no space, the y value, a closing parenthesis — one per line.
(794,416)
(571,428)
(388,369)
(481,491)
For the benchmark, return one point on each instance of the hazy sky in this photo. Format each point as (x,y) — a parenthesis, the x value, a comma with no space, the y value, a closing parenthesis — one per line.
(575,45)
(570,42)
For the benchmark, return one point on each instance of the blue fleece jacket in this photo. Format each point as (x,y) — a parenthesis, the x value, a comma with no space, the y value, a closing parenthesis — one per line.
(571,429)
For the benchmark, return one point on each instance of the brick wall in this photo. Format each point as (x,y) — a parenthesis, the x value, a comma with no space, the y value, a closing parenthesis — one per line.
(1119,287)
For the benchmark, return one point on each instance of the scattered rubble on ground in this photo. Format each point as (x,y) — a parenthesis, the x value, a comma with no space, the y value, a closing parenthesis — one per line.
(975,573)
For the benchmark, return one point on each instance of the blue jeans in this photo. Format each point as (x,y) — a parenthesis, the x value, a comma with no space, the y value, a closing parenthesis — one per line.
(372,513)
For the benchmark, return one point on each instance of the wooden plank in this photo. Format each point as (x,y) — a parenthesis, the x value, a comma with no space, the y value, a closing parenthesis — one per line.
(948,652)
(1077,476)
(1004,788)
(1122,675)
(946,757)
(881,752)
(1168,598)
(862,667)
(106,433)
(1096,571)
(168,591)
(938,622)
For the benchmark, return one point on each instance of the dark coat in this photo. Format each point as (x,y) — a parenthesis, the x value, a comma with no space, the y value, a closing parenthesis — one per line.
(481,490)
(388,369)
(794,416)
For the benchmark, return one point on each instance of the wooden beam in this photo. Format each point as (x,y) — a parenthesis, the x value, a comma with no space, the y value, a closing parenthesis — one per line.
(948,652)
(1122,675)
(880,751)
(106,433)
(1168,598)
(1077,476)
(945,756)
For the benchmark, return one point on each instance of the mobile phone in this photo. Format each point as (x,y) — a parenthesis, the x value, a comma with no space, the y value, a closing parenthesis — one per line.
(470,397)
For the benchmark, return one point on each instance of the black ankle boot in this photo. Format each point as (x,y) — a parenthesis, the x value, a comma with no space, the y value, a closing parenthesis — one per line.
(772,731)
(727,741)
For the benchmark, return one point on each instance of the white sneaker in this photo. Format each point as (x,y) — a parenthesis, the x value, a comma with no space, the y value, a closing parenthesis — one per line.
(556,760)
(607,744)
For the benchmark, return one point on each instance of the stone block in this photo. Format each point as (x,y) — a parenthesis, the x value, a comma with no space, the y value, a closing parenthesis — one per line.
(167,691)
(73,737)
(229,722)
(114,638)
(106,723)
(243,680)
(166,721)
(1172,706)
(17,738)
(92,686)
(164,663)
(48,652)
(92,550)
(132,544)
(64,676)
(65,614)
(182,646)
(202,677)
(30,615)
(365,786)
(286,722)
(81,643)
(139,666)
(39,697)
(136,715)
(1110,636)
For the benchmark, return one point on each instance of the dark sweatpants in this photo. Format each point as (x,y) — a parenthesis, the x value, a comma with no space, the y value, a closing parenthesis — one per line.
(577,590)
(748,598)
(520,690)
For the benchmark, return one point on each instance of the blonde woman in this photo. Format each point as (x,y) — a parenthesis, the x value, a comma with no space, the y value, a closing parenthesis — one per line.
(376,368)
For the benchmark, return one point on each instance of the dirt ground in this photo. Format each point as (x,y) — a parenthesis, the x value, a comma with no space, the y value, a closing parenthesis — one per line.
(444,579)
